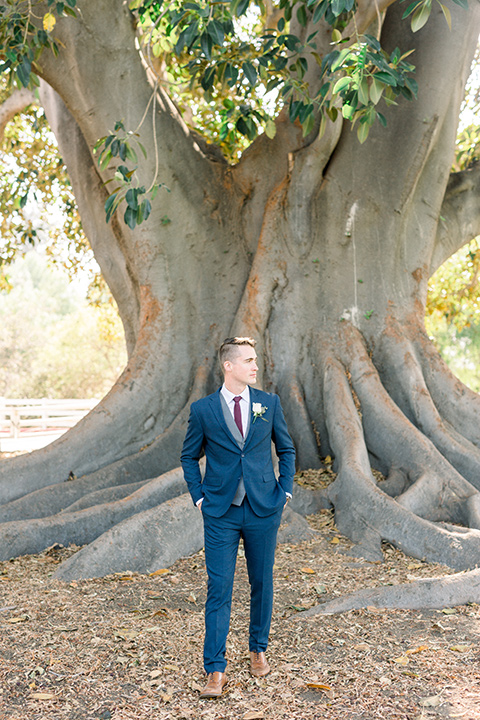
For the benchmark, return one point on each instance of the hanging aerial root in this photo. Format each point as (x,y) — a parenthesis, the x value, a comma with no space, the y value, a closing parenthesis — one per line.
(362,511)
(442,592)
(404,379)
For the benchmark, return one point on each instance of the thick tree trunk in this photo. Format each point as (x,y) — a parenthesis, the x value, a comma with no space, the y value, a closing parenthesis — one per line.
(321,251)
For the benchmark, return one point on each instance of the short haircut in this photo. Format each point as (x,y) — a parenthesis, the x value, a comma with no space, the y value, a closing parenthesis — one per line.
(229,348)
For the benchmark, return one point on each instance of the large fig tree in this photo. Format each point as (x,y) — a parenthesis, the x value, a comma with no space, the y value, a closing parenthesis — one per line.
(316,239)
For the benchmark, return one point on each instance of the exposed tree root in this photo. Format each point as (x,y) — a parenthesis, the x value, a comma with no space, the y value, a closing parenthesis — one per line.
(362,511)
(53,464)
(142,543)
(407,387)
(155,539)
(106,495)
(442,592)
(23,537)
(139,467)
(393,439)
(459,405)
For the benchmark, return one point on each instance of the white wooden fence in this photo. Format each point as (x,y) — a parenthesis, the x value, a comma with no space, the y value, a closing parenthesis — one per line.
(24,418)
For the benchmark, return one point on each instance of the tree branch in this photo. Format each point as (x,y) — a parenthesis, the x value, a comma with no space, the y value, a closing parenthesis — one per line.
(18,101)
(459,215)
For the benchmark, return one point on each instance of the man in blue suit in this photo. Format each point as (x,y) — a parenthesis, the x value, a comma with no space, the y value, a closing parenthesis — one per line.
(240,497)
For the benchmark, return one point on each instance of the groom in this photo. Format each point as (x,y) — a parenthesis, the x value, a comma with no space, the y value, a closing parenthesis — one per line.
(239,497)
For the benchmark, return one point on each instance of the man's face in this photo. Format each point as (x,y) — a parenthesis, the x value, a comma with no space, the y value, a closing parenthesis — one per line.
(242,370)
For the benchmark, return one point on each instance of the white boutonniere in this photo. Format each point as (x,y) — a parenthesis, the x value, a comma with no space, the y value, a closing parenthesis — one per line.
(258,409)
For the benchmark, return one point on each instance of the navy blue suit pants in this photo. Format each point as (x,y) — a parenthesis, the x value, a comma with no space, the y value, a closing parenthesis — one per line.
(222,536)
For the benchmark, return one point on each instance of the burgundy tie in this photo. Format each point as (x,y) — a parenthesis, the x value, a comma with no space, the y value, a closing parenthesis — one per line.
(237,413)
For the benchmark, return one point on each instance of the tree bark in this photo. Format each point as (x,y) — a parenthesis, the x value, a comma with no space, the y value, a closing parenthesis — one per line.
(320,248)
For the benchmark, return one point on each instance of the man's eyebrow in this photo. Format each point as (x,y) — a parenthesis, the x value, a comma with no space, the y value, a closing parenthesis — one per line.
(249,359)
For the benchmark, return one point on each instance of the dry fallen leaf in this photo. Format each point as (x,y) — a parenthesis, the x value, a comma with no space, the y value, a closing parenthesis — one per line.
(362,646)
(449,611)
(127,634)
(307,570)
(155,674)
(43,696)
(254,715)
(19,619)
(402,660)
(414,566)
(175,668)
(192,598)
(414,651)
(319,686)
(162,571)
(460,648)
(432,701)
(334,541)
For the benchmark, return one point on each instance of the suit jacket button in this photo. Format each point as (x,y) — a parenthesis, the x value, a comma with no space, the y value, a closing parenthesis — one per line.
(243,455)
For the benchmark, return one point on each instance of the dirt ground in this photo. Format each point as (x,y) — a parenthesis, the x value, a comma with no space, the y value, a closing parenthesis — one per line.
(129,646)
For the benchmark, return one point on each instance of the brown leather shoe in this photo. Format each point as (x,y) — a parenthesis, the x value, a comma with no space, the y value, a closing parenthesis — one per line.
(258,664)
(214,686)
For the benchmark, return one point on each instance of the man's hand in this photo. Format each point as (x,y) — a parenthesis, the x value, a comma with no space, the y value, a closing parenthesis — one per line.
(199,504)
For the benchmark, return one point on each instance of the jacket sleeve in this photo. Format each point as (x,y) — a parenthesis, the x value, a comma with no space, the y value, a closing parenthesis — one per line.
(285,449)
(191,453)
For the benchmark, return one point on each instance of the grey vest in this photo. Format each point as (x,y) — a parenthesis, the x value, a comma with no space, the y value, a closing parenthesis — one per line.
(232,426)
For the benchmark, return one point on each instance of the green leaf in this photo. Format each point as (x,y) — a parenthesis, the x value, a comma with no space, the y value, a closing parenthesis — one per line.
(341,84)
(270,129)
(104,160)
(348,112)
(130,217)
(250,73)
(308,124)
(386,78)
(420,17)
(215,30)
(376,90)
(448,16)
(382,119)
(239,7)
(462,3)
(302,15)
(362,131)
(23,71)
(410,9)
(132,199)
(363,91)
(336,36)
(206,43)
(339,61)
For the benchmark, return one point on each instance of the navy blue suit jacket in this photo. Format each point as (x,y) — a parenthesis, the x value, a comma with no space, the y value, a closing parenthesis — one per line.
(227,463)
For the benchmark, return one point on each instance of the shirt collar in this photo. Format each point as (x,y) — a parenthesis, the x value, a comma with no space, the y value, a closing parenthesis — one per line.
(229,395)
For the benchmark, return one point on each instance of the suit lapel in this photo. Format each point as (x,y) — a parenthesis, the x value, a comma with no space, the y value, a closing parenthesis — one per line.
(251,425)
(218,413)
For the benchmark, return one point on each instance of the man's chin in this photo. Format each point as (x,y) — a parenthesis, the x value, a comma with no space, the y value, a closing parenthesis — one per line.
(253,381)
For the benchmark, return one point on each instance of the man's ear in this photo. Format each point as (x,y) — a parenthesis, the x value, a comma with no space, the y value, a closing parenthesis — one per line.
(227,366)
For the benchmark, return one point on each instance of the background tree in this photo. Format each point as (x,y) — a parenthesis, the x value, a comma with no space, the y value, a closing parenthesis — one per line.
(317,244)
(53,343)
